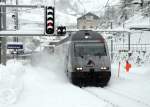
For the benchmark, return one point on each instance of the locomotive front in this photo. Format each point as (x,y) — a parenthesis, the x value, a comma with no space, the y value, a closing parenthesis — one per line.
(90,62)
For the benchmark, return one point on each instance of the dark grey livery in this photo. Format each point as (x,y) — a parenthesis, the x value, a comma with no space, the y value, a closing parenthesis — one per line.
(87,59)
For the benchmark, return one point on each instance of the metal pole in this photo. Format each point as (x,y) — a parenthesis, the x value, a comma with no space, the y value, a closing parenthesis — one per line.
(22,6)
(17,27)
(15,39)
(3,39)
(129,42)
(45,23)
(0,17)
(111,44)
(54,16)
(54,3)
(0,30)
(3,51)
(16,24)
(129,53)
(111,25)
(111,49)
(0,50)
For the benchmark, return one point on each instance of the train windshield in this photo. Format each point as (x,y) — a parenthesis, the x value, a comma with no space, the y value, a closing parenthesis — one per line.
(92,49)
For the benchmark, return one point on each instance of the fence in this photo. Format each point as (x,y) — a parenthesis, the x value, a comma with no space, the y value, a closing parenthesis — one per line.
(139,53)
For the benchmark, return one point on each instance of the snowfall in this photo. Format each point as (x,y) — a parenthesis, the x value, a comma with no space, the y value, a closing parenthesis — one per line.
(43,83)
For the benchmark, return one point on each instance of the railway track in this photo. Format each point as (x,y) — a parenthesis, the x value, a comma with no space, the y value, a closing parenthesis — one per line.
(112,104)
(125,94)
(116,98)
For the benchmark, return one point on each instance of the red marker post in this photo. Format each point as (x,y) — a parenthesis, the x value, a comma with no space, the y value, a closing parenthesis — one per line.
(118,69)
(128,66)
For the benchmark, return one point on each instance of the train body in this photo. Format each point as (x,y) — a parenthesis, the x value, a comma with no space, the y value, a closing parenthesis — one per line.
(86,59)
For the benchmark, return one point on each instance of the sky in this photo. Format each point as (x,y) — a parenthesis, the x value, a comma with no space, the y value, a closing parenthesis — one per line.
(77,6)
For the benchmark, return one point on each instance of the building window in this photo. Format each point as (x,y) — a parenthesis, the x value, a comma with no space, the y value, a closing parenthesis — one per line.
(83,27)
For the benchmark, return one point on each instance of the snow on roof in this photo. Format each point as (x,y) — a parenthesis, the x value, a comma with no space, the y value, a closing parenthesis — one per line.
(137,21)
(88,14)
(14,42)
(22,32)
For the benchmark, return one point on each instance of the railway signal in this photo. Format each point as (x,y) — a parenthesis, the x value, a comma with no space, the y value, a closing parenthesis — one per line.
(50,20)
(61,30)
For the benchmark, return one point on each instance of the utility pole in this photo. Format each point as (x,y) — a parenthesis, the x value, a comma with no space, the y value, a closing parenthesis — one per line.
(54,16)
(129,42)
(111,48)
(142,3)
(0,48)
(16,27)
(111,27)
(3,39)
(0,30)
(3,51)
(17,24)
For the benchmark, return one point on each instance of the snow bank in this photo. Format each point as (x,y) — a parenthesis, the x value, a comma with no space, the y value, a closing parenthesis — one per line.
(11,82)
(45,85)
(134,83)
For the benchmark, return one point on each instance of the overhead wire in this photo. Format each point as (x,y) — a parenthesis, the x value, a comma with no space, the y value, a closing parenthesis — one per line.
(107,3)
(18,11)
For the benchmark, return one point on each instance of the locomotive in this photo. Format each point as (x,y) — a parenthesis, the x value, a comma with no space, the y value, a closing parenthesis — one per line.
(86,58)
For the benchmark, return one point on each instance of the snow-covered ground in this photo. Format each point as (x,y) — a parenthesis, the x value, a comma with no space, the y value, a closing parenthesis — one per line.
(11,82)
(45,84)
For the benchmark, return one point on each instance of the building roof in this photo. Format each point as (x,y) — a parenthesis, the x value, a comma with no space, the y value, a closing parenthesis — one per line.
(88,14)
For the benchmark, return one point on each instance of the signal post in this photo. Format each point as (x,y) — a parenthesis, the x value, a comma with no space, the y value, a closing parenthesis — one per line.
(49,29)
(49,20)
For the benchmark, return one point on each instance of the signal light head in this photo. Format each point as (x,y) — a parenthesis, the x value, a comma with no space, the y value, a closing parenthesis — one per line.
(61,30)
(50,20)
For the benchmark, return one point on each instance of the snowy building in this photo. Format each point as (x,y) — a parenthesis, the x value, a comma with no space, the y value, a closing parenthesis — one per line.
(88,21)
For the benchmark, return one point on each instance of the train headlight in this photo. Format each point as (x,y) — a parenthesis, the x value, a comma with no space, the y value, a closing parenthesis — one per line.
(104,68)
(79,68)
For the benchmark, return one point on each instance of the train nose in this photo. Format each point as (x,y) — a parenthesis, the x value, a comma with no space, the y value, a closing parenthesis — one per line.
(92,70)
(91,62)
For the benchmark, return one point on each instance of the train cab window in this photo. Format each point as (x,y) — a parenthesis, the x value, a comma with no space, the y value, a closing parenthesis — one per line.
(92,49)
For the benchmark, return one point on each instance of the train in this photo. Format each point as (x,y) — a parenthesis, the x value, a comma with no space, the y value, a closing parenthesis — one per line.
(86,58)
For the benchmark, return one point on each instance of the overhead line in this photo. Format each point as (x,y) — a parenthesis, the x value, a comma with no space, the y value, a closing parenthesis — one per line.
(107,3)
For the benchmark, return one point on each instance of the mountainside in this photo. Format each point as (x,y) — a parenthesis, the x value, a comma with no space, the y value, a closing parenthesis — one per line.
(119,12)
(67,11)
